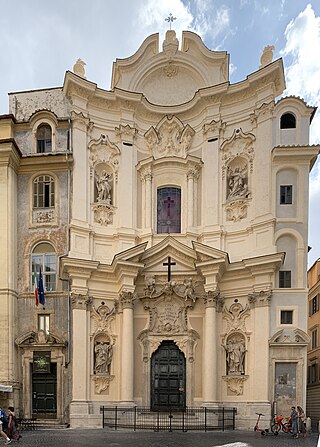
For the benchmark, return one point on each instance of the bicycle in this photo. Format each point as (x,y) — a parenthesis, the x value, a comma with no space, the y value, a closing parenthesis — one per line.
(279,425)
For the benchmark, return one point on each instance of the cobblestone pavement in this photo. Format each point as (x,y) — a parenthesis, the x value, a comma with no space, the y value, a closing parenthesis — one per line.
(106,438)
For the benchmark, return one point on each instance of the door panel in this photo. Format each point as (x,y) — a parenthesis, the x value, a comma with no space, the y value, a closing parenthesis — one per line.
(168,378)
(44,392)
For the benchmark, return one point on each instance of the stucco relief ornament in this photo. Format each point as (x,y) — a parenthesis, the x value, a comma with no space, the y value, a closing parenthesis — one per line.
(239,146)
(126,132)
(102,317)
(169,137)
(235,317)
(235,384)
(43,217)
(102,151)
(236,210)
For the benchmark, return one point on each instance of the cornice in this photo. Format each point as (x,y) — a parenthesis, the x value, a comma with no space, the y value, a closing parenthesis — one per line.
(296,154)
(10,153)
(61,161)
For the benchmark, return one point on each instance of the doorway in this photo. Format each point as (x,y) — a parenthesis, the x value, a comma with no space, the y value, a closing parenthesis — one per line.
(168,378)
(44,393)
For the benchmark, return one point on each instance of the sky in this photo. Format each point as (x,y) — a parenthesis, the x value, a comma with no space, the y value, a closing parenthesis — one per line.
(41,39)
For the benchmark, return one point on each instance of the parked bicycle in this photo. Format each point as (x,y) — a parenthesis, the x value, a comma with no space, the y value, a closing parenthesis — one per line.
(280,423)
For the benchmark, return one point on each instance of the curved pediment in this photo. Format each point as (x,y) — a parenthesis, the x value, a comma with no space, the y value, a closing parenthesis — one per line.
(39,338)
(289,337)
(171,76)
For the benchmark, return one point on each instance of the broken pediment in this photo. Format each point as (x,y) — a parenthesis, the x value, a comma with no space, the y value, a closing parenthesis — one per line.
(289,337)
(39,338)
(171,76)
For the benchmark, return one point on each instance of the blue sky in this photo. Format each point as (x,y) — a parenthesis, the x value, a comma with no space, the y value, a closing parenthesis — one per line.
(41,39)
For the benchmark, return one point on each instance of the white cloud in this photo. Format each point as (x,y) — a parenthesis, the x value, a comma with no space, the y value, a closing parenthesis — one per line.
(302,61)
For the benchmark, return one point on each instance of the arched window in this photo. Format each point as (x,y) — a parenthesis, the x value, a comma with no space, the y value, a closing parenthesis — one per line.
(287,121)
(169,210)
(43,192)
(44,138)
(44,256)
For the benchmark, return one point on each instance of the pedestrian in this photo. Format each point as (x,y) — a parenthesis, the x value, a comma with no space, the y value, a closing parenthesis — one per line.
(3,417)
(294,422)
(301,421)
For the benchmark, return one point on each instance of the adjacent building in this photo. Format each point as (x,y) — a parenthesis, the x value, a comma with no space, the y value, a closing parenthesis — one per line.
(167,218)
(313,388)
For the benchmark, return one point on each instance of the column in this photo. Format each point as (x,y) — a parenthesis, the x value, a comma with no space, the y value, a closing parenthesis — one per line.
(127,348)
(190,176)
(79,407)
(80,181)
(148,213)
(210,349)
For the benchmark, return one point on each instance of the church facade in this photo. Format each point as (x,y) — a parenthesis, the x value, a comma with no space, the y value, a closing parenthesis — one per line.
(168,220)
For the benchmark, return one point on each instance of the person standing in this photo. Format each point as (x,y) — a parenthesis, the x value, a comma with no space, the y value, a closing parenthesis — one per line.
(294,422)
(301,419)
(2,433)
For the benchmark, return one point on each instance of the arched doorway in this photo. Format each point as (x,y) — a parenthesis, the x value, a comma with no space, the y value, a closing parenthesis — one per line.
(168,378)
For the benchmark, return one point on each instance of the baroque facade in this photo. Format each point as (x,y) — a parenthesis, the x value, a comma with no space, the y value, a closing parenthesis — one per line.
(168,217)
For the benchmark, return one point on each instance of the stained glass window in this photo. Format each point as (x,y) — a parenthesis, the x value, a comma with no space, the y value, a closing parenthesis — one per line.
(169,210)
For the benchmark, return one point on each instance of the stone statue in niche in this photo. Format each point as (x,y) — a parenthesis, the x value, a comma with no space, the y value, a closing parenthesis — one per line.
(237,181)
(102,357)
(235,355)
(104,187)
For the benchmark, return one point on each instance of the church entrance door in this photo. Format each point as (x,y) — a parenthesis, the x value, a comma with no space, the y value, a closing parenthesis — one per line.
(168,378)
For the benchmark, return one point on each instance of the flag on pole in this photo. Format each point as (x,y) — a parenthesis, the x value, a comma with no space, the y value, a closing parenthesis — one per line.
(36,290)
(41,289)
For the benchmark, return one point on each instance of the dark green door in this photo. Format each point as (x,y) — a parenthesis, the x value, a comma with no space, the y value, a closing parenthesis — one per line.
(168,378)
(44,393)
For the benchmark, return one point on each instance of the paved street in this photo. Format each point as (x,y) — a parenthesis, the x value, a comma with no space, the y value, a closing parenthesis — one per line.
(106,438)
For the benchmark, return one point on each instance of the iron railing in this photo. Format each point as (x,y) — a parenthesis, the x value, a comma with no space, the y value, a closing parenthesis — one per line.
(191,418)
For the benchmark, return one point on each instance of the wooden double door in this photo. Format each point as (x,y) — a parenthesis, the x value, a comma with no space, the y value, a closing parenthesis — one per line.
(168,378)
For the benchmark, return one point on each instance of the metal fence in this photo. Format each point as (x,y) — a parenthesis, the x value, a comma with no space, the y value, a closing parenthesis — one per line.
(142,418)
